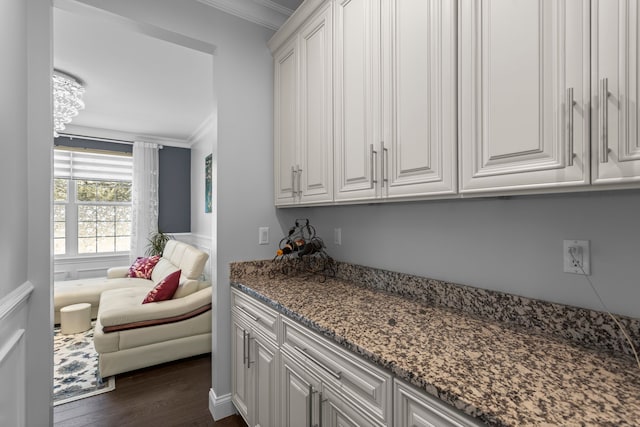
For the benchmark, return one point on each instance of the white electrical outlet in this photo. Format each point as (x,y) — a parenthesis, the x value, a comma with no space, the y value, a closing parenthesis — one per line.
(263,235)
(576,256)
(337,236)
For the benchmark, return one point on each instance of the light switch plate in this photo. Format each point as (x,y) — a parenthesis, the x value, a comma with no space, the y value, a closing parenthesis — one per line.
(263,235)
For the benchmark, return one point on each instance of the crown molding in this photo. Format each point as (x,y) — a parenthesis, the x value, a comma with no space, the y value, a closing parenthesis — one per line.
(124,137)
(262,12)
(301,14)
(203,130)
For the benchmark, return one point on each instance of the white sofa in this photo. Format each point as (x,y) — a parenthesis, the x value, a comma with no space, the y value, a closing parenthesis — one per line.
(177,255)
(130,335)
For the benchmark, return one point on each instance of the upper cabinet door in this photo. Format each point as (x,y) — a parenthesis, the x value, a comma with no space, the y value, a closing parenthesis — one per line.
(419,100)
(285,123)
(357,64)
(615,91)
(523,94)
(316,108)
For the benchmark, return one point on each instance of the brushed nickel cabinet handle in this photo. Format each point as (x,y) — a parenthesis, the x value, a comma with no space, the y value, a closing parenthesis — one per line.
(336,375)
(373,154)
(246,313)
(293,182)
(385,161)
(311,405)
(299,182)
(604,119)
(244,348)
(570,104)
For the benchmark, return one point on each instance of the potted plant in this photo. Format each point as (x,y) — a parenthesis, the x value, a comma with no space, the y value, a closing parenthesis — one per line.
(157,242)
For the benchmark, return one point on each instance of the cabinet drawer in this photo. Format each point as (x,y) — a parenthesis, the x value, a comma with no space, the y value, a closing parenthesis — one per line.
(366,385)
(261,318)
(415,408)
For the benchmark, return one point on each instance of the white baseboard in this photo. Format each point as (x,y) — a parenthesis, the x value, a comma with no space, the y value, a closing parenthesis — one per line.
(220,406)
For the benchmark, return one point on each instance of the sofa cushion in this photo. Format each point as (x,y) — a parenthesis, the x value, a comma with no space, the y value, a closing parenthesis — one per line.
(163,268)
(165,289)
(89,290)
(122,306)
(185,257)
(143,266)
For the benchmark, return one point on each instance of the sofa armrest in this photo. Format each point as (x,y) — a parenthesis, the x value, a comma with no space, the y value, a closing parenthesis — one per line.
(117,272)
(124,307)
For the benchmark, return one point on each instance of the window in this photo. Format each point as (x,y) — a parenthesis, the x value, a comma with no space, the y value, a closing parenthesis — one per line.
(92,203)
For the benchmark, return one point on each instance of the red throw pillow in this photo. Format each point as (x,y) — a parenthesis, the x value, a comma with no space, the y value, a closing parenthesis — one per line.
(165,289)
(142,267)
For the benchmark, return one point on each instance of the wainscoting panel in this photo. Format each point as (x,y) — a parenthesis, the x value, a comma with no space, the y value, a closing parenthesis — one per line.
(13,319)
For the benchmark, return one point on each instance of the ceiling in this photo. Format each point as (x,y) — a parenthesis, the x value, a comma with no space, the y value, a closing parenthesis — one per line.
(137,86)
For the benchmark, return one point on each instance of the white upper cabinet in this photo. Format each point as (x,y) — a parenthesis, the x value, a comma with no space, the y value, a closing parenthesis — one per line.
(316,109)
(303,114)
(615,91)
(418,152)
(523,94)
(285,123)
(356,106)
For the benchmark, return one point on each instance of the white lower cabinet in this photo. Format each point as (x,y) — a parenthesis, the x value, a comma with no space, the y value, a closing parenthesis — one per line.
(414,408)
(307,400)
(254,366)
(285,375)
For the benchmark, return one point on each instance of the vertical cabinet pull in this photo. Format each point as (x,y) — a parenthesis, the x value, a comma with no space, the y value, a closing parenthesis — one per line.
(249,362)
(311,405)
(373,154)
(299,182)
(570,104)
(385,160)
(604,119)
(320,402)
(244,348)
(293,182)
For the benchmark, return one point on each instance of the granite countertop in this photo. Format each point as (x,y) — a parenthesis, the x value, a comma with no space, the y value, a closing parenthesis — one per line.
(502,374)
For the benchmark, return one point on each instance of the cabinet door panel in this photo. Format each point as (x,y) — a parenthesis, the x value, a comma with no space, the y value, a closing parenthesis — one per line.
(297,394)
(419,68)
(316,68)
(517,61)
(356,74)
(616,147)
(285,123)
(239,373)
(265,369)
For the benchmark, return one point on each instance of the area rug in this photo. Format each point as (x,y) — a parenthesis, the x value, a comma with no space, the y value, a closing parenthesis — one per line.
(75,368)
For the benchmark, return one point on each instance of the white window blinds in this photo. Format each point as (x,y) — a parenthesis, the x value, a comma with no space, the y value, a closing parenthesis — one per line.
(92,166)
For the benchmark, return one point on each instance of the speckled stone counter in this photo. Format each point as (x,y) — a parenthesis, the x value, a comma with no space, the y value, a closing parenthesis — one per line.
(501,373)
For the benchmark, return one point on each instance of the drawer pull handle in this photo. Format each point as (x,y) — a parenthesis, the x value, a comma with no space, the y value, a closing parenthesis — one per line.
(336,375)
(245,312)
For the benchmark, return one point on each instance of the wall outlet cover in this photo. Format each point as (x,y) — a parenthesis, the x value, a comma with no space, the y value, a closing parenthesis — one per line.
(580,262)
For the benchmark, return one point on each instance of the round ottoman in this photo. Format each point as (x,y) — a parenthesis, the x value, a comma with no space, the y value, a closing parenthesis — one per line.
(75,318)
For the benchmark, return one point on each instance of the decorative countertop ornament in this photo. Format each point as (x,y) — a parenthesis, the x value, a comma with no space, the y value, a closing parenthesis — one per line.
(301,251)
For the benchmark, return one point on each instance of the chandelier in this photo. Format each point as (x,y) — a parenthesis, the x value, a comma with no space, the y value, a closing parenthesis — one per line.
(67,100)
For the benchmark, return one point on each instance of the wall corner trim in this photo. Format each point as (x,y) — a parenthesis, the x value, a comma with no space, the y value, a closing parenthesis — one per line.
(220,406)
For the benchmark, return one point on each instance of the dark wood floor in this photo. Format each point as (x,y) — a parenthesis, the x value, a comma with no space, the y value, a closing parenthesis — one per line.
(173,394)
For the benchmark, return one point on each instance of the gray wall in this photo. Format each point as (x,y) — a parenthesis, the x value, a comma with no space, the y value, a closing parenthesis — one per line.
(174,190)
(174,181)
(242,149)
(512,245)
